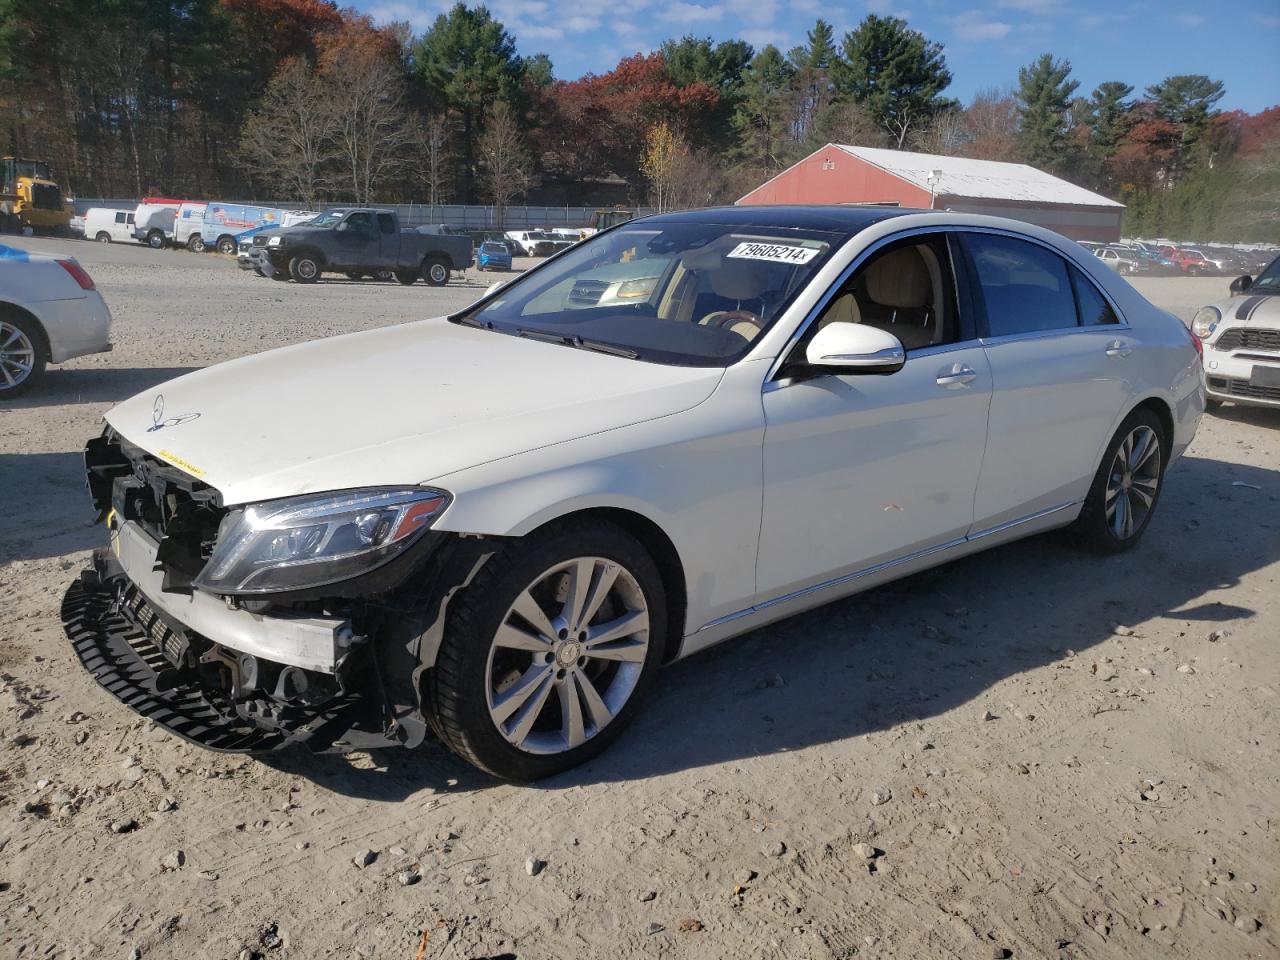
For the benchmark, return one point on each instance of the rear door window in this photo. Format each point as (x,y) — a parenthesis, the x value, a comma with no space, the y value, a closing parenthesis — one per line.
(1024,287)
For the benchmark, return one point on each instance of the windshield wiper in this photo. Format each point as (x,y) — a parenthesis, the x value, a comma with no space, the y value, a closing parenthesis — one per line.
(567,340)
(467,320)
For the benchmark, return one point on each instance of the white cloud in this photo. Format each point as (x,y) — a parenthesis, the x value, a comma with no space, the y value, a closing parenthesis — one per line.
(682,12)
(1268,21)
(534,31)
(973,25)
(581,24)
(806,6)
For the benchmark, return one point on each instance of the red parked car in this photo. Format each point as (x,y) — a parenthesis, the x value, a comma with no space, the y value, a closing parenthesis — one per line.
(1193,263)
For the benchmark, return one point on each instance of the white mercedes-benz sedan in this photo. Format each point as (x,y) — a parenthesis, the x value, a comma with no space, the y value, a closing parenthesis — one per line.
(495,527)
(50,312)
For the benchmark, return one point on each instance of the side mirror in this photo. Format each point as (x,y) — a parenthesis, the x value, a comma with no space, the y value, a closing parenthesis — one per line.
(1241,284)
(852,348)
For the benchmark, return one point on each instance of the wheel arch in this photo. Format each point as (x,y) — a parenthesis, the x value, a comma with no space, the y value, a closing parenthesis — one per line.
(8,309)
(1164,413)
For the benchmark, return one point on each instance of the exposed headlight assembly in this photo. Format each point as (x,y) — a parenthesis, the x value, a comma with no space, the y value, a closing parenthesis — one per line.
(1205,322)
(313,541)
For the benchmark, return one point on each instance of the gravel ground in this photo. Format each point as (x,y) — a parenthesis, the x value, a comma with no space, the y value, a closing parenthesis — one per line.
(1030,753)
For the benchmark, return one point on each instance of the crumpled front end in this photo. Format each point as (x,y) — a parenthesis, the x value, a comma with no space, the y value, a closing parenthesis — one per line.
(236,676)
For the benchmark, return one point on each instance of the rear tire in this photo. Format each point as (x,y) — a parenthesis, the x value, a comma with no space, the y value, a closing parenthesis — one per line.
(304,268)
(103,237)
(436,272)
(22,355)
(195,243)
(226,245)
(1126,489)
(601,690)
(155,239)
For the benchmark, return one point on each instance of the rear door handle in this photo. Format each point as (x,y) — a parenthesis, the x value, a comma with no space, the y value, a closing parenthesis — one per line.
(956,376)
(1117,350)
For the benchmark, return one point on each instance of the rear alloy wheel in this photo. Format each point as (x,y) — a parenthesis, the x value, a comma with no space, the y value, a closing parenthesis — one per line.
(226,245)
(1127,486)
(21,357)
(304,269)
(155,239)
(435,272)
(195,243)
(548,652)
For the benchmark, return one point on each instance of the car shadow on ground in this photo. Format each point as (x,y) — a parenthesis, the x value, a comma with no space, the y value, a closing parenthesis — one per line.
(66,385)
(908,651)
(46,506)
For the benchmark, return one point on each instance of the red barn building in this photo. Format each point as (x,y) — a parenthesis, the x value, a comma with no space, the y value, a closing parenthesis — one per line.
(869,175)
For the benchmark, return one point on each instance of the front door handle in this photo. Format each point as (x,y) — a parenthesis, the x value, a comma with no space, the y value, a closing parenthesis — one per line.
(956,376)
(1117,350)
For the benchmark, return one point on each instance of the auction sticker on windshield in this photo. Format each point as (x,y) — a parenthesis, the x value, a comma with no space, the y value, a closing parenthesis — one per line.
(777,252)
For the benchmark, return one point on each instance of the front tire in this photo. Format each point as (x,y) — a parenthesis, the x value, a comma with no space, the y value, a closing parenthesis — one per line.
(103,237)
(304,268)
(436,272)
(155,240)
(548,652)
(195,243)
(22,356)
(1126,489)
(227,245)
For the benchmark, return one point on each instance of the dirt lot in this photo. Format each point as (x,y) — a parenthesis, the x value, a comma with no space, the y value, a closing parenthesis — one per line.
(1121,800)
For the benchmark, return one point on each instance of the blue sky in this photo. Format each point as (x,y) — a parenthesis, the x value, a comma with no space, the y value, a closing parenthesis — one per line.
(986,41)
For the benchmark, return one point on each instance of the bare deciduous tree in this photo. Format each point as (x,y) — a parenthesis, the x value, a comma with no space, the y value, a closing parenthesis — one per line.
(434,152)
(372,128)
(506,167)
(290,139)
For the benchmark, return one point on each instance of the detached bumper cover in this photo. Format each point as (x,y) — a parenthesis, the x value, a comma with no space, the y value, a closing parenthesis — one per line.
(121,641)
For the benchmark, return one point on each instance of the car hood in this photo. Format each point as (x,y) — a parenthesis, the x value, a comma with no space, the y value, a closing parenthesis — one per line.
(1251,310)
(399,405)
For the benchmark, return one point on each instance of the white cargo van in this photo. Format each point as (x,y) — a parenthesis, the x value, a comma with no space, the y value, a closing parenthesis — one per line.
(108,226)
(153,223)
(186,226)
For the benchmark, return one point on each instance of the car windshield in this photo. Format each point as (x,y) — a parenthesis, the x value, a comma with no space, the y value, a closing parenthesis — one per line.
(493,248)
(326,219)
(1269,279)
(676,292)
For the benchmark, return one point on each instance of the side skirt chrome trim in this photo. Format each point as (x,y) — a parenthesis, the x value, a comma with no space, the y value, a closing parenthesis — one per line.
(886,565)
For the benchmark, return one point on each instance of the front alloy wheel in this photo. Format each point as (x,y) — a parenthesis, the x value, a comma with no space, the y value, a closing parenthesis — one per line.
(548,652)
(567,656)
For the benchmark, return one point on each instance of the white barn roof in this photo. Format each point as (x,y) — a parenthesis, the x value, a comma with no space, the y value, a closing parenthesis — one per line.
(986,179)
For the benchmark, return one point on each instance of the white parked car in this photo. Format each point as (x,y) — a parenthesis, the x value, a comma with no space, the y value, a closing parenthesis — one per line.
(109,226)
(50,312)
(1242,341)
(509,519)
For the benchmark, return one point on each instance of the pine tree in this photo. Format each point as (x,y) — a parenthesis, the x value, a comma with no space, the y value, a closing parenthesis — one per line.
(893,72)
(1044,100)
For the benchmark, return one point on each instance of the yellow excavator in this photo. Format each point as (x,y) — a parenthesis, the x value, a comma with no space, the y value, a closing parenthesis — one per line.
(30,197)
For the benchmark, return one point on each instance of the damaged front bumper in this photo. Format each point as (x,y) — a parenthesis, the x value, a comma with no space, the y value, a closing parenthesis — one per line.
(207,692)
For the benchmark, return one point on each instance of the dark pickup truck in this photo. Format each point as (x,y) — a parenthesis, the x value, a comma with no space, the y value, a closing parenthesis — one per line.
(359,240)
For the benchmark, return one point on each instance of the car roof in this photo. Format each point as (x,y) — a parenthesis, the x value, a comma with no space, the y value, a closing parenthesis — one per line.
(834,218)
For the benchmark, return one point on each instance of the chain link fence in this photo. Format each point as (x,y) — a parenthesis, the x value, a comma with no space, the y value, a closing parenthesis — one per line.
(461,216)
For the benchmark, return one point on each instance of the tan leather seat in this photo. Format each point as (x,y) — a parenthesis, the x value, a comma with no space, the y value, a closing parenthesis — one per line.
(900,280)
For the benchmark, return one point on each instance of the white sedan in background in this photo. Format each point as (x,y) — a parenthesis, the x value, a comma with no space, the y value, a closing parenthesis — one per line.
(1242,341)
(50,312)
(507,520)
